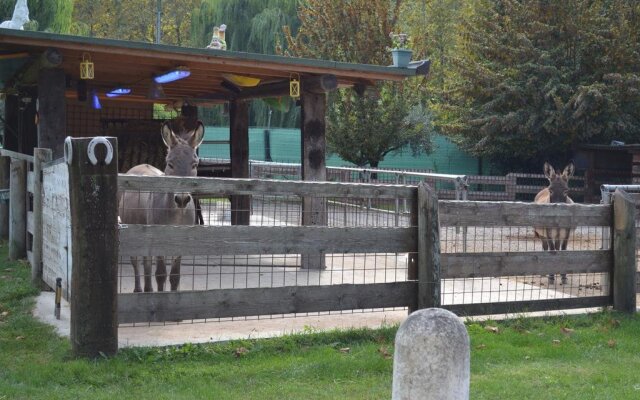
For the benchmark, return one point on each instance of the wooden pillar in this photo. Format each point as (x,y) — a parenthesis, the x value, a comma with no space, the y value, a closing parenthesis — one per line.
(52,125)
(40,156)
(314,210)
(5,163)
(624,252)
(428,248)
(94,219)
(18,210)
(239,149)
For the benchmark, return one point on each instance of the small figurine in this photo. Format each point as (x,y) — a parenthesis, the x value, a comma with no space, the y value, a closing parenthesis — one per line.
(20,16)
(217,39)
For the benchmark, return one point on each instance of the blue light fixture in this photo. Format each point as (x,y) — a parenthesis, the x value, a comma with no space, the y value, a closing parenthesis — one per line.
(119,91)
(173,75)
(95,101)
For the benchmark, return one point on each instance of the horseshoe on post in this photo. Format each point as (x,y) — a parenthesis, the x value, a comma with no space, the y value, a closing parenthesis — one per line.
(92,147)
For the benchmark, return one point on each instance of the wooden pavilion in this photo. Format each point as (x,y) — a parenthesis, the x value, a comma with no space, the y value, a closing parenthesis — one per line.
(46,100)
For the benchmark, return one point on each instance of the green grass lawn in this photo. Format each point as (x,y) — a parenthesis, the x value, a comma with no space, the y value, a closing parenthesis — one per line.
(585,357)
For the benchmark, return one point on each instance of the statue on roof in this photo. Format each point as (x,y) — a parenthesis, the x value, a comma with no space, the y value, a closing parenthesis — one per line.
(218,38)
(20,16)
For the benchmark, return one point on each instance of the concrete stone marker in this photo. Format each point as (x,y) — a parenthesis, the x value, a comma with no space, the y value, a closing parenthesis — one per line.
(431,359)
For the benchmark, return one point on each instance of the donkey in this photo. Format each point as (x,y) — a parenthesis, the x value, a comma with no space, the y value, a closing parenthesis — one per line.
(557,192)
(164,208)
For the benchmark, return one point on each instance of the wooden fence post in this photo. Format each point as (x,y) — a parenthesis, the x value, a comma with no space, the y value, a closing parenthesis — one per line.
(93,187)
(4,202)
(428,248)
(624,252)
(18,210)
(40,156)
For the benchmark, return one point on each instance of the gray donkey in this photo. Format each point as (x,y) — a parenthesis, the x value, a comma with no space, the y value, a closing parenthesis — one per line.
(164,208)
(557,192)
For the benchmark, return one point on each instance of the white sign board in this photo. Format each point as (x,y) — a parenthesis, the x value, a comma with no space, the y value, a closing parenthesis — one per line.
(56,227)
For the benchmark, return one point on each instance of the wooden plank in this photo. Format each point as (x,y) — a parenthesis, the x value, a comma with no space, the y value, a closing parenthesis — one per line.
(239,151)
(479,265)
(141,240)
(224,187)
(4,205)
(624,252)
(490,213)
(30,181)
(18,210)
(313,164)
(52,110)
(30,222)
(94,211)
(16,156)
(56,228)
(223,303)
(428,248)
(41,156)
(527,306)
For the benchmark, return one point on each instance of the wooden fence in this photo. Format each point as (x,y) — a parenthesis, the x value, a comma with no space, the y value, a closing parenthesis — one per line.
(97,308)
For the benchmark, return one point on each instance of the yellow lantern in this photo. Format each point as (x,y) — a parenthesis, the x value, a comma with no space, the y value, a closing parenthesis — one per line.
(294,86)
(86,67)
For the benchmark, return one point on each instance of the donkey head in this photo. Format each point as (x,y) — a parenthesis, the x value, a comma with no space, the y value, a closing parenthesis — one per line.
(558,184)
(182,159)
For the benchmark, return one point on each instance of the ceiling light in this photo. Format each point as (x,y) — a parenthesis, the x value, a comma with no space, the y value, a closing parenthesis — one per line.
(173,75)
(95,101)
(119,91)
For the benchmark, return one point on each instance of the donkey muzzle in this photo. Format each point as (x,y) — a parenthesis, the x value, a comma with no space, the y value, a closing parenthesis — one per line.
(182,199)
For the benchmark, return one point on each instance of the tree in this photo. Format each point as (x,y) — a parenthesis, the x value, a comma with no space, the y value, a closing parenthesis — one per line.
(532,79)
(252,26)
(362,127)
(45,15)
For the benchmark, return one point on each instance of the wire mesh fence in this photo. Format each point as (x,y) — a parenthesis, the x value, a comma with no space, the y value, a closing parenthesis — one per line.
(504,262)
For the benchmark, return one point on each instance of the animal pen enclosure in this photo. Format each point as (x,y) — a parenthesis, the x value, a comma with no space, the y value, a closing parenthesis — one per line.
(375,256)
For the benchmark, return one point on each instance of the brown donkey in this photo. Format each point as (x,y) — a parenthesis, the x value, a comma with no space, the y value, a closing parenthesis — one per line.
(557,192)
(164,208)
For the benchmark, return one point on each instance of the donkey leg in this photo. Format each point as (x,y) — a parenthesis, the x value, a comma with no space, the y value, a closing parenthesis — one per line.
(136,274)
(161,273)
(551,247)
(563,246)
(147,262)
(174,278)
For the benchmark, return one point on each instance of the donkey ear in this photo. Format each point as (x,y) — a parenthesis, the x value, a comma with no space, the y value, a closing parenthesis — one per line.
(168,136)
(197,136)
(568,171)
(549,172)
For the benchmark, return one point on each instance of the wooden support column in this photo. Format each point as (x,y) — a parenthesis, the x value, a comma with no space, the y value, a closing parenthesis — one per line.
(624,252)
(40,156)
(18,210)
(5,163)
(428,248)
(52,126)
(239,149)
(314,210)
(94,219)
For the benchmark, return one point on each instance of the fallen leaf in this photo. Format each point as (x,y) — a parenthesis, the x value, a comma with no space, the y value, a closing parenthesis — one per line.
(493,329)
(612,343)
(481,346)
(527,357)
(615,322)
(567,331)
(345,350)
(19,337)
(240,351)
(555,341)
(4,313)
(384,351)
